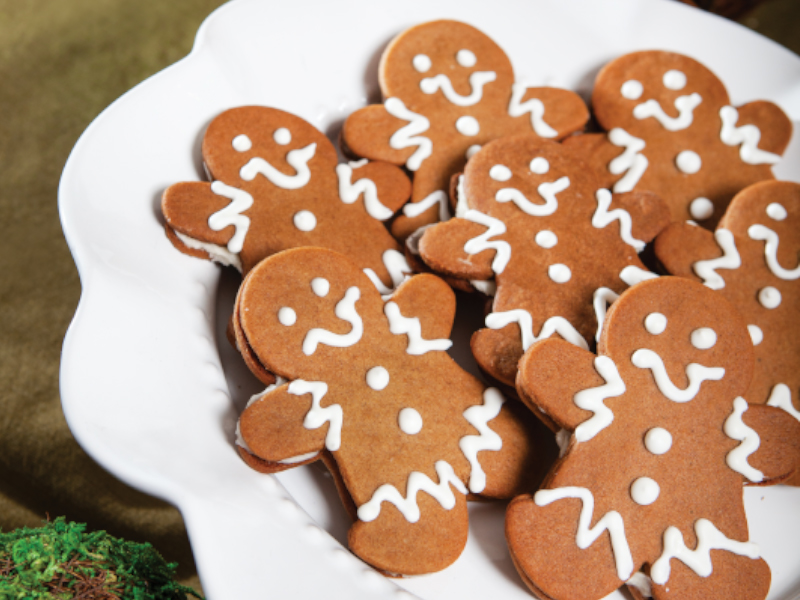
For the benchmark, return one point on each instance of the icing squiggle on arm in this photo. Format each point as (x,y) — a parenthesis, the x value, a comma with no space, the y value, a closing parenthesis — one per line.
(232,214)
(345,310)
(297,158)
(698,560)
(560,325)
(695,373)
(479,416)
(417,208)
(611,522)
(685,106)
(477,80)
(482,242)
(602,217)
(417,482)
(547,191)
(349,192)
(317,416)
(410,326)
(592,399)
(762,233)
(736,429)
(398,267)
(534,106)
(408,135)
(631,161)
(746,135)
(730,259)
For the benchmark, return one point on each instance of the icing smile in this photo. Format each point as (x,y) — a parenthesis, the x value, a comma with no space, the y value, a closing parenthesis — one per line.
(685,106)
(477,80)
(298,159)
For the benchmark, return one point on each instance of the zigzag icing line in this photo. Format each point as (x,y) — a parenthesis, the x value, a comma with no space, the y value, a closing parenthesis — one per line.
(730,259)
(560,325)
(479,416)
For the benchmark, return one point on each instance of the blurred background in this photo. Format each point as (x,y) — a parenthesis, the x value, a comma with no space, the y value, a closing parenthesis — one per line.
(61,63)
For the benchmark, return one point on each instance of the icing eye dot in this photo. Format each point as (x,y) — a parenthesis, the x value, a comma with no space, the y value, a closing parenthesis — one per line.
(282,136)
(500,173)
(421,62)
(701,208)
(674,80)
(559,273)
(539,165)
(466,58)
(468,126)
(645,491)
(756,335)
(688,162)
(769,297)
(546,239)
(377,378)
(473,150)
(242,143)
(655,323)
(320,286)
(704,338)
(287,316)
(632,89)
(305,220)
(658,441)
(410,421)
(776,211)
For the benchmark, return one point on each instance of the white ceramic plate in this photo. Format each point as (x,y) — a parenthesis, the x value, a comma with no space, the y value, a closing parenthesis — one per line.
(149,385)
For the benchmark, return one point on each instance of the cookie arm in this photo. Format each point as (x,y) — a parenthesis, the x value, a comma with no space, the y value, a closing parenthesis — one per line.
(778,454)
(562,112)
(442,249)
(367,133)
(392,184)
(774,125)
(681,245)
(186,208)
(649,213)
(429,299)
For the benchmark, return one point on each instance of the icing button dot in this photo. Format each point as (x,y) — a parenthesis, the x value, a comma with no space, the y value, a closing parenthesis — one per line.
(658,441)
(655,323)
(546,239)
(242,143)
(776,211)
(468,126)
(500,173)
(688,162)
(701,208)
(769,297)
(287,316)
(756,335)
(410,421)
(645,491)
(674,80)
(466,58)
(559,273)
(704,338)
(632,89)
(305,220)
(421,62)
(320,286)
(539,165)
(282,136)
(377,378)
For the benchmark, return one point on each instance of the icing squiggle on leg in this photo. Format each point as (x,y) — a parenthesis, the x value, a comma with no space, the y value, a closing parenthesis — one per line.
(479,416)
(735,429)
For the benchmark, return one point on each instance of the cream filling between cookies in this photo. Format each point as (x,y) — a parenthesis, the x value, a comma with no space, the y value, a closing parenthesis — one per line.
(218,254)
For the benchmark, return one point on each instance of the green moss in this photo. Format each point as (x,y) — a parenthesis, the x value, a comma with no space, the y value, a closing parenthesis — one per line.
(60,560)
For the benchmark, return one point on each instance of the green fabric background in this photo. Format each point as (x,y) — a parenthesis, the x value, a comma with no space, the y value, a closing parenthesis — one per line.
(61,63)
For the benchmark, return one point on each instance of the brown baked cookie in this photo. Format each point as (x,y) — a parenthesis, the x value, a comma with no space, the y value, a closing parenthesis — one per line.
(672,131)
(752,260)
(533,221)
(448,89)
(658,443)
(409,432)
(277,185)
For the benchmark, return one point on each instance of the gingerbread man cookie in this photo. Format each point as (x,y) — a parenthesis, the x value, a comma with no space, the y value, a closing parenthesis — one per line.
(276,185)
(533,220)
(752,260)
(658,444)
(407,433)
(449,89)
(672,130)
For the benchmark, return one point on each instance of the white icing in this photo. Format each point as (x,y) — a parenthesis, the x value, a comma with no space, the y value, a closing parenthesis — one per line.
(466,58)
(357,164)
(412,241)
(781,396)
(546,239)
(776,211)
(585,537)
(756,335)
(602,217)
(484,287)
(534,106)
(559,273)
(345,310)
(378,378)
(349,193)
(218,254)
(547,191)
(439,197)
(559,325)
(479,416)
(472,150)
(397,266)
(477,79)
(642,583)
(411,327)
(696,374)
(762,233)
(658,441)
(746,135)
(317,416)
(539,165)
(701,208)
(674,80)
(632,89)
(298,459)
(410,421)
(645,491)
(320,286)
(282,136)
(462,206)
(305,220)
(688,162)
(736,429)
(704,338)
(417,482)
(500,173)
(408,135)
(468,126)
(602,298)
(769,297)
(593,399)
(707,269)
(297,159)
(232,214)
(422,63)
(482,242)
(242,143)
(655,323)
(631,162)
(287,316)
(685,106)
(633,275)
(698,560)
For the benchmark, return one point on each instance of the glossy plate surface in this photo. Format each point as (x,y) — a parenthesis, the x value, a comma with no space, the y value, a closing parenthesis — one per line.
(149,385)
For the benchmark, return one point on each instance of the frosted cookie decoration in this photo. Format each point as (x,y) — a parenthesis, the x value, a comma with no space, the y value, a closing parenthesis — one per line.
(448,89)
(753,260)
(672,130)
(548,238)
(651,477)
(275,184)
(368,387)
